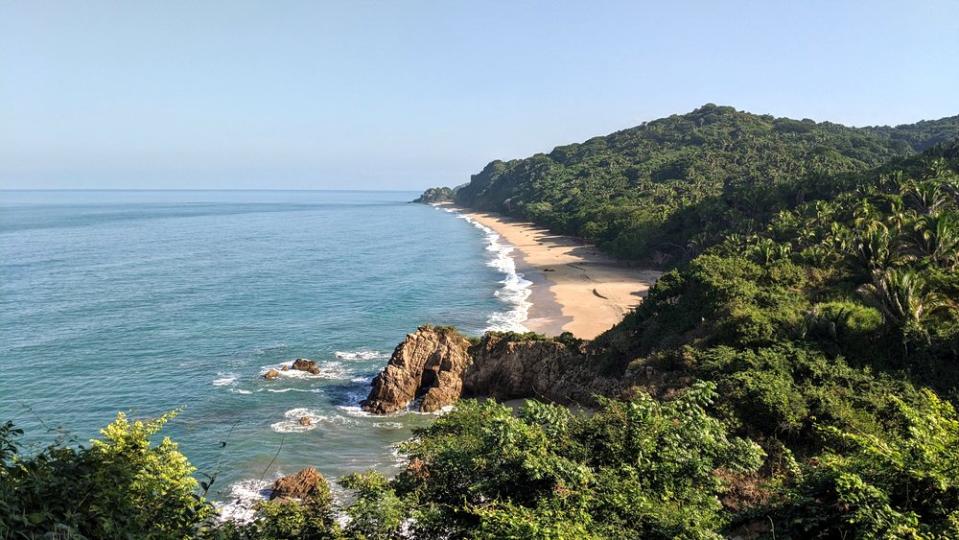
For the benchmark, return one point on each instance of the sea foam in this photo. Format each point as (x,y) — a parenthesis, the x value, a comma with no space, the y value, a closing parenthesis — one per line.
(514,289)
(327,370)
(291,424)
(361,354)
(224,379)
(243,498)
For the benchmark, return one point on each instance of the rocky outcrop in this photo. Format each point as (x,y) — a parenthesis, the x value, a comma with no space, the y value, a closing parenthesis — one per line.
(504,367)
(435,195)
(429,365)
(439,366)
(304,364)
(300,364)
(306,483)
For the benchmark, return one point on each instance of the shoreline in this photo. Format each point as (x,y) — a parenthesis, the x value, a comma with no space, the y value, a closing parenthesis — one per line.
(575,288)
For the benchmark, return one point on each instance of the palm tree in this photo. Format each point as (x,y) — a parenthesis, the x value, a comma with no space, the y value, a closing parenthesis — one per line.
(864,213)
(928,197)
(763,251)
(874,247)
(899,215)
(902,296)
(937,237)
(839,236)
(817,255)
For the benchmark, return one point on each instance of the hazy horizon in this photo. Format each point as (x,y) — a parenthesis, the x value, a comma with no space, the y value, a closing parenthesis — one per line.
(403,96)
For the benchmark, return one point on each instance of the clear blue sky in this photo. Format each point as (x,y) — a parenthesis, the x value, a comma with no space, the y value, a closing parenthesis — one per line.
(405,94)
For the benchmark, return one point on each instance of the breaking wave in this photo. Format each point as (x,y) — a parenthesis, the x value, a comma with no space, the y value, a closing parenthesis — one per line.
(514,289)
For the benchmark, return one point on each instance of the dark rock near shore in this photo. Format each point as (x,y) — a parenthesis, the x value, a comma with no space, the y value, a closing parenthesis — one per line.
(439,366)
(306,483)
(428,364)
(505,368)
(305,364)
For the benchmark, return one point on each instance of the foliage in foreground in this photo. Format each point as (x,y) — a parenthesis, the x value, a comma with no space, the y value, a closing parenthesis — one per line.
(121,486)
(901,484)
(642,468)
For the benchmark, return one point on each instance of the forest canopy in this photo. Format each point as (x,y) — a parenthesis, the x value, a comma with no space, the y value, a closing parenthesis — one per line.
(663,191)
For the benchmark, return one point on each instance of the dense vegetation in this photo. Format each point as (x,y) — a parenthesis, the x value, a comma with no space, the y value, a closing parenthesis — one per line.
(795,376)
(833,336)
(435,195)
(665,190)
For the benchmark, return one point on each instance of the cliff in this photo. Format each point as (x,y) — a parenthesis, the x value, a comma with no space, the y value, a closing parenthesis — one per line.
(433,367)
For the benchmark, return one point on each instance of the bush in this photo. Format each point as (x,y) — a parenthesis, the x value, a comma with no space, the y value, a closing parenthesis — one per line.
(640,468)
(120,486)
(903,483)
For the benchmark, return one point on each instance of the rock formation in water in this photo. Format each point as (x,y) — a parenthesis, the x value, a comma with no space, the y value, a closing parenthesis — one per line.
(439,365)
(301,485)
(428,364)
(304,364)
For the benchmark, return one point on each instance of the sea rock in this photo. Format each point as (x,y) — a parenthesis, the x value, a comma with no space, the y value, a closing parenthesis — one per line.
(305,421)
(429,363)
(306,483)
(440,366)
(272,374)
(305,364)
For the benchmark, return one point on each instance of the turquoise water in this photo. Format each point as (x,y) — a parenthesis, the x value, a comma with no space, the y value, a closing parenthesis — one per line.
(150,301)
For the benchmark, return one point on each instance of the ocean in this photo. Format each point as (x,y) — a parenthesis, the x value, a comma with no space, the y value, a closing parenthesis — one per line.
(152,301)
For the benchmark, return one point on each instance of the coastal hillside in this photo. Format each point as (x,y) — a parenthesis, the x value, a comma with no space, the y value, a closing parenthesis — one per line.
(824,345)
(795,380)
(664,190)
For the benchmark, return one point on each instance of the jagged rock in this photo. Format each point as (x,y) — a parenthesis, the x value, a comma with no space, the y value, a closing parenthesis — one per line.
(428,363)
(440,365)
(306,483)
(305,421)
(505,368)
(305,364)
(272,374)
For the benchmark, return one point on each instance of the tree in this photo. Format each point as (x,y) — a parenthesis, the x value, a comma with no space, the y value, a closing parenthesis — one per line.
(902,296)
(937,237)
(123,486)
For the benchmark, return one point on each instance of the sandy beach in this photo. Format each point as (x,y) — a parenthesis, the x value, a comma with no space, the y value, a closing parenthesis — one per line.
(576,288)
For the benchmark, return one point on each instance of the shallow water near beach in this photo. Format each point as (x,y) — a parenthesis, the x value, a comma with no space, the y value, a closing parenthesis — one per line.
(147,302)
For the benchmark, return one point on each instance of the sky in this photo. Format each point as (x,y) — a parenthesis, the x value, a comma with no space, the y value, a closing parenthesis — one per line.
(410,94)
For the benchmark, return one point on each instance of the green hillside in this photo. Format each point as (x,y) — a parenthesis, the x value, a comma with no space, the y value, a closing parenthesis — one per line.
(828,338)
(663,191)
